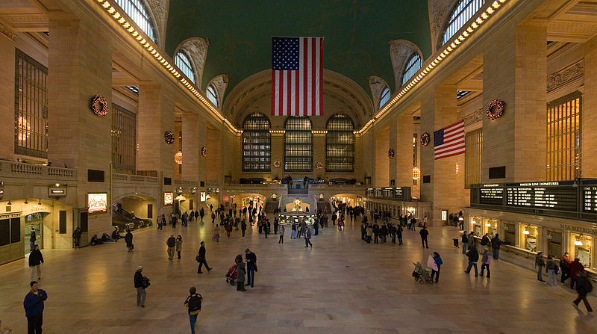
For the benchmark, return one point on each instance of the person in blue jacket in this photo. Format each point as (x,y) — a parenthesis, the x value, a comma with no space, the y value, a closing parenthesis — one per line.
(34,308)
(438,262)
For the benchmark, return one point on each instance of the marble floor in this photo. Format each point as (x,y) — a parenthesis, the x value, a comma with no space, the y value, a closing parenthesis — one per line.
(341,285)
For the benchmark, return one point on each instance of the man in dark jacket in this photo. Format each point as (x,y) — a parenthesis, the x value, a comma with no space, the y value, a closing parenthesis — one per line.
(464,241)
(424,233)
(583,287)
(32,239)
(251,266)
(201,259)
(575,268)
(171,242)
(35,261)
(140,286)
(128,238)
(496,243)
(473,257)
(34,308)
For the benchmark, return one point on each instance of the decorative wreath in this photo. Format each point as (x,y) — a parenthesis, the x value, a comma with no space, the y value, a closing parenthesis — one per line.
(391,154)
(99,105)
(277,164)
(495,109)
(319,165)
(169,137)
(425,139)
(204,151)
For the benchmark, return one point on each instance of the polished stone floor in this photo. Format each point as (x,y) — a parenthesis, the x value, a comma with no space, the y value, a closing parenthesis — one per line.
(341,285)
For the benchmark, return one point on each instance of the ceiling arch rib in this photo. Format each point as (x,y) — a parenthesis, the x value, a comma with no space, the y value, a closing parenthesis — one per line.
(400,52)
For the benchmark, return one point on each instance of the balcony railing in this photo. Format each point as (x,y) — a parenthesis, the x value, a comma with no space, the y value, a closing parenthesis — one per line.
(18,169)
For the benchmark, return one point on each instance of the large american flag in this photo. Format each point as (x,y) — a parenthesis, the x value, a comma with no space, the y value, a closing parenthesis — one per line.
(449,141)
(297,76)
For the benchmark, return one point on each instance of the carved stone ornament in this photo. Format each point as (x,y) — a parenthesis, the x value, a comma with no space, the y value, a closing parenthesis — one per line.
(565,75)
(400,50)
(376,84)
(220,83)
(196,48)
(474,117)
(159,8)
(438,9)
(6,31)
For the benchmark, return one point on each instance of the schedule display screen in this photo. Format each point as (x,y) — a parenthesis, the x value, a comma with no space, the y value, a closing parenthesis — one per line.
(491,195)
(590,199)
(546,195)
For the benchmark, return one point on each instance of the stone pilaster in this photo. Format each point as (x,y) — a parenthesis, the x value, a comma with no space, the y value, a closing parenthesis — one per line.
(404,151)
(7,96)
(214,172)
(381,177)
(589,112)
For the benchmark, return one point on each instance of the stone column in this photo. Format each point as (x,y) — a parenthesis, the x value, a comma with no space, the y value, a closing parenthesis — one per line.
(7,94)
(404,151)
(589,112)
(515,72)
(381,177)
(214,172)
(193,139)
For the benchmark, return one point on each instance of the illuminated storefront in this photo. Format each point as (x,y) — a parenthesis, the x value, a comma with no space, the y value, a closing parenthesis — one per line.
(583,247)
(529,237)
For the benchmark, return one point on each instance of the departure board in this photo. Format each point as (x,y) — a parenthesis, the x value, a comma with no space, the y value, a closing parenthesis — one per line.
(491,195)
(542,195)
(590,199)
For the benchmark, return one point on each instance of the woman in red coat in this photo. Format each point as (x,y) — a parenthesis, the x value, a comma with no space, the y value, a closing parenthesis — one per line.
(575,268)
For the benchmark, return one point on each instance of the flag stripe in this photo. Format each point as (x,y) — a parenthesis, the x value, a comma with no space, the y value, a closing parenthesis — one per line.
(297,76)
(449,141)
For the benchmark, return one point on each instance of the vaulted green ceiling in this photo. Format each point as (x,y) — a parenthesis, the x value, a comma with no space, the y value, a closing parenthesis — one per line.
(357,33)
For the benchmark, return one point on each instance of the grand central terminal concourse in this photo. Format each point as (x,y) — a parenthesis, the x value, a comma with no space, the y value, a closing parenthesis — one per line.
(314,166)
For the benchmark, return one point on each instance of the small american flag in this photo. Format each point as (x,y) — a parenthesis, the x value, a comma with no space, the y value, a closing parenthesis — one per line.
(297,76)
(449,141)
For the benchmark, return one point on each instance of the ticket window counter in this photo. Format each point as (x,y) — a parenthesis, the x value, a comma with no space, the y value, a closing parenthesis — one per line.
(510,234)
(490,226)
(476,226)
(554,244)
(529,234)
(34,221)
(583,246)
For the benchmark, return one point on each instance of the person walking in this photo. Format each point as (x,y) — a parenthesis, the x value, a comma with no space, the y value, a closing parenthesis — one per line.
(552,270)
(32,239)
(369,232)
(171,242)
(583,287)
(308,238)
(193,305)
(436,266)
(399,230)
(539,264)
(565,267)
(34,308)
(201,213)
(424,233)
(464,241)
(217,232)
(485,261)
(128,239)
(496,243)
(473,257)
(35,261)
(77,237)
(240,273)
(141,283)
(282,229)
(251,260)
(575,268)
(201,259)
(178,245)
(243,227)
(293,232)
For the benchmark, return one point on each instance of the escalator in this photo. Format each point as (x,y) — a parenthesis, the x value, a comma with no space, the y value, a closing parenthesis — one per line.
(125,220)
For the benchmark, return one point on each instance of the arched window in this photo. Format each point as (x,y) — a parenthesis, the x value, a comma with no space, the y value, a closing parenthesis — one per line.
(212,95)
(339,153)
(183,62)
(298,145)
(256,143)
(384,97)
(139,13)
(461,14)
(413,64)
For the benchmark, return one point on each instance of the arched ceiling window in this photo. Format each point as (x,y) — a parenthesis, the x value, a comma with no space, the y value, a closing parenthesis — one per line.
(138,12)
(183,62)
(413,64)
(339,153)
(256,143)
(298,145)
(384,97)
(464,10)
(212,95)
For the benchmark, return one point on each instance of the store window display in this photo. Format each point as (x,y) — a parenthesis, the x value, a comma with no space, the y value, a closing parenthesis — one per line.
(583,246)
(491,226)
(530,233)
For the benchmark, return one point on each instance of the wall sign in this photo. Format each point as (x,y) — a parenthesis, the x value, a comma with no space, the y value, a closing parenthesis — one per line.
(97,202)
(168,198)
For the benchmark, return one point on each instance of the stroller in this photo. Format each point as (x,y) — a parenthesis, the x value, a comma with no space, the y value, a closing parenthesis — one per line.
(231,275)
(421,274)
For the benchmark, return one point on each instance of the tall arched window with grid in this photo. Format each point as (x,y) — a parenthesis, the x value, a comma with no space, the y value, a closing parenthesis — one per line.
(212,95)
(138,11)
(339,153)
(298,145)
(384,97)
(256,143)
(184,63)
(413,64)
(463,11)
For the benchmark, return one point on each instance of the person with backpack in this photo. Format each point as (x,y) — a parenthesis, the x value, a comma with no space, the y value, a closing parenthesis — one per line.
(201,258)
(193,304)
(539,264)
(473,257)
(141,283)
(552,270)
(583,287)
(171,243)
(565,267)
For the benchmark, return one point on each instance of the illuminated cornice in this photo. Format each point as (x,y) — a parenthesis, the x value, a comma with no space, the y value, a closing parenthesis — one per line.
(163,60)
(432,63)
